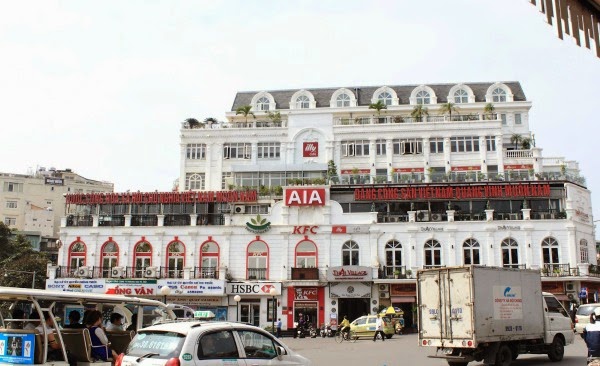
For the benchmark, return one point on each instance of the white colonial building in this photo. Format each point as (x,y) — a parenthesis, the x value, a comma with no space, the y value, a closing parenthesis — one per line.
(328,202)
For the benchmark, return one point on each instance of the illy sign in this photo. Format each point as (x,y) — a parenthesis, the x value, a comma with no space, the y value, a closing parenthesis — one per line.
(310,149)
(305,197)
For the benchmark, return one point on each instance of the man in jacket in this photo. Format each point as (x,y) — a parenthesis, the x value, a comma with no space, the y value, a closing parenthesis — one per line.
(591,334)
(379,328)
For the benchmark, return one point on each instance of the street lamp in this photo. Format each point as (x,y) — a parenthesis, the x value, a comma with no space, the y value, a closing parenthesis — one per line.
(273,293)
(28,272)
(237,299)
(165,291)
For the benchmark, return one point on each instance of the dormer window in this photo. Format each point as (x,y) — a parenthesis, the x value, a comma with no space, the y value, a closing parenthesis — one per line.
(343,100)
(461,96)
(423,97)
(303,102)
(499,95)
(262,104)
(385,98)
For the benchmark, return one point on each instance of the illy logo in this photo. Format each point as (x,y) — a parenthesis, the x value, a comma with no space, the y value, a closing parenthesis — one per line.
(310,149)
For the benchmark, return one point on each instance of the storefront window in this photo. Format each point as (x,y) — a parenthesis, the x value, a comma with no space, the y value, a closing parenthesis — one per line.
(433,254)
(550,251)
(471,251)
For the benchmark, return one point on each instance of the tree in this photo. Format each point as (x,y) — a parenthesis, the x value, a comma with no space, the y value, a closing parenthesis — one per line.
(245,110)
(526,143)
(449,108)
(378,106)
(193,123)
(274,116)
(210,121)
(419,111)
(18,257)
(332,172)
(488,110)
(516,139)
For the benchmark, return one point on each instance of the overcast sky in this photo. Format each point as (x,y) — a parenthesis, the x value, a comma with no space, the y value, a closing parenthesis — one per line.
(102,86)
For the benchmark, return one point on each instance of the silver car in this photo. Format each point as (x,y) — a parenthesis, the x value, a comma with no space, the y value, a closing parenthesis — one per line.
(207,343)
(582,317)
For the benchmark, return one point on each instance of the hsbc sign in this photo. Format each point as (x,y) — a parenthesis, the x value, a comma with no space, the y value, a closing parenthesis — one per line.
(310,149)
(253,288)
(305,197)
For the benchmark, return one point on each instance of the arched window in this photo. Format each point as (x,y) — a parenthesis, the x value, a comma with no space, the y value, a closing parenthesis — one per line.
(142,257)
(343,100)
(583,251)
(433,254)
(550,251)
(471,252)
(423,97)
(302,102)
(461,96)
(209,260)
(194,181)
(175,259)
(510,253)
(258,259)
(262,104)
(306,254)
(110,257)
(385,97)
(393,257)
(350,253)
(77,253)
(499,95)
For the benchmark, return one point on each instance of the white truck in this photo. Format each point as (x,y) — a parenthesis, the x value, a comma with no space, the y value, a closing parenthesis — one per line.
(493,314)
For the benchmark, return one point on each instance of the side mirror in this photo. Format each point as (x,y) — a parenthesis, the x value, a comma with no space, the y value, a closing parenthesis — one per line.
(280,351)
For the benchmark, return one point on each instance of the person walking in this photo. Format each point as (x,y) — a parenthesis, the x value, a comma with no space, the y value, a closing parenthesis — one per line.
(379,328)
(279,328)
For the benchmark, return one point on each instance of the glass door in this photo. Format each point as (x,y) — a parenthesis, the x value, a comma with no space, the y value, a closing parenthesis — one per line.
(250,313)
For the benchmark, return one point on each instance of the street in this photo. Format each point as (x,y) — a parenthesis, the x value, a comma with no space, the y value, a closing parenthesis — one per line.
(403,350)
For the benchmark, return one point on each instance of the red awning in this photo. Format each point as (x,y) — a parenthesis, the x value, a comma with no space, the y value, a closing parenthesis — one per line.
(396,299)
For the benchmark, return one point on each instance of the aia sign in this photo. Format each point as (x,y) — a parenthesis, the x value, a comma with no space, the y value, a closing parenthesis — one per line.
(305,197)
(310,149)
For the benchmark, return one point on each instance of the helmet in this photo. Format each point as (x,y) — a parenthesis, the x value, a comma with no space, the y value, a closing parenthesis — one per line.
(597,311)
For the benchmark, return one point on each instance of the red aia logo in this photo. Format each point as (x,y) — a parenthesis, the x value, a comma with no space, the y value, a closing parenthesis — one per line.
(305,197)
(310,149)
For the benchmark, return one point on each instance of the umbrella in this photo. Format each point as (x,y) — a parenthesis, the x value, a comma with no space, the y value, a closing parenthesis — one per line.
(393,310)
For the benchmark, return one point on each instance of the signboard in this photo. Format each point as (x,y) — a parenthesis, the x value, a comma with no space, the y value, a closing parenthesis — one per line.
(195,301)
(518,166)
(306,293)
(305,197)
(356,171)
(310,149)
(132,287)
(465,168)
(254,288)
(409,170)
(349,273)
(54,181)
(17,348)
(454,192)
(350,290)
(161,197)
(208,287)
(96,286)
(508,302)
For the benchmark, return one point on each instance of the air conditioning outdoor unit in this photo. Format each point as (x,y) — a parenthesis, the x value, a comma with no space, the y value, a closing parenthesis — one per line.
(384,295)
(423,215)
(84,272)
(117,272)
(239,209)
(570,286)
(384,287)
(436,217)
(151,272)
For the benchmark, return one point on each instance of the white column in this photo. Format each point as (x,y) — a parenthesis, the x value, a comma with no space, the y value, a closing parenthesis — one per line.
(500,154)
(447,147)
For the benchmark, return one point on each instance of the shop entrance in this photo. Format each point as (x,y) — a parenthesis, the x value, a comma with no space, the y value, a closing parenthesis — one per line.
(352,308)
(250,313)
(308,311)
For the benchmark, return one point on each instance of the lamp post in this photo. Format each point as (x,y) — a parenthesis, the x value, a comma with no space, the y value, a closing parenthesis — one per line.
(237,299)
(165,291)
(28,272)
(273,293)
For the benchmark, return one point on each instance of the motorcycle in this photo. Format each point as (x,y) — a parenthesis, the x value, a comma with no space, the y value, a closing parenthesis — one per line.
(326,330)
(312,331)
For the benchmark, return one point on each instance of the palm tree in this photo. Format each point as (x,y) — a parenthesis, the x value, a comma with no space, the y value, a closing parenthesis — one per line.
(245,110)
(449,108)
(274,116)
(419,111)
(526,143)
(193,123)
(378,106)
(489,109)
(516,139)
(211,120)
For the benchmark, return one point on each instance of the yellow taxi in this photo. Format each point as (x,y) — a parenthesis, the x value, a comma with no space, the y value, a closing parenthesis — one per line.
(365,326)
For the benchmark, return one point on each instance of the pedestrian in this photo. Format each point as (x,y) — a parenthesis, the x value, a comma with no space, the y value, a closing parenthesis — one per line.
(279,328)
(379,328)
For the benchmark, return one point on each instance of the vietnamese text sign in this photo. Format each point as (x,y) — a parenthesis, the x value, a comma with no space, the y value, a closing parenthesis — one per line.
(161,197)
(209,287)
(132,287)
(76,285)
(508,302)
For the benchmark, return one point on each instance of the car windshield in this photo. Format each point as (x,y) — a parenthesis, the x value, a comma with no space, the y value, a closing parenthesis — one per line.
(585,310)
(155,343)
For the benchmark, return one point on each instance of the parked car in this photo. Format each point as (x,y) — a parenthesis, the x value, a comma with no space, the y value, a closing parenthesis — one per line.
(582,316)
(365,326)
(207,343)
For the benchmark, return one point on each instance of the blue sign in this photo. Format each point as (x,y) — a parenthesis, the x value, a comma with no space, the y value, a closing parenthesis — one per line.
(17,348)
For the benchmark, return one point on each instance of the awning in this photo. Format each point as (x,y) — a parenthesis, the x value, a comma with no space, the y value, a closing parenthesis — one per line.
(396,299)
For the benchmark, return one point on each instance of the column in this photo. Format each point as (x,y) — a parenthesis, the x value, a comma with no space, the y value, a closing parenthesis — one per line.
(500,155)
(161,220)
(193,219)
(95,220)
(426,154)
(447,148)
(182,170)
(389,154)
(127,220)
(483,154)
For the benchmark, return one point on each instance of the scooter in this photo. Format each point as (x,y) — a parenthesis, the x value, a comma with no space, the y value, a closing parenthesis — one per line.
(312,331)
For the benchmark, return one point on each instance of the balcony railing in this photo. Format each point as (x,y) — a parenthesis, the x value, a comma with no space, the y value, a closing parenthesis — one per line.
(305,273)
(594,270)
(559,270)
(393,272)
(241,124)
(205,272)
(257,273)
(518,154)
(136,272)
(514,266)
(408,119)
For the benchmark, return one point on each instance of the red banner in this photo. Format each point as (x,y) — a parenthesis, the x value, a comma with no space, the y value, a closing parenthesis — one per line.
(305,197)
(161,197)
(466,168)
(409,170)
(357,171)
(518,167)
(306,293)
(338,229)
(310,149)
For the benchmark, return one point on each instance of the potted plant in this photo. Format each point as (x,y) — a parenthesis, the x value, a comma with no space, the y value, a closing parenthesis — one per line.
(408,273)
(397,273)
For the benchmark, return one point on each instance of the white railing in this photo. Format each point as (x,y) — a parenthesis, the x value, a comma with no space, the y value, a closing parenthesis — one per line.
(518,154)
(341,121)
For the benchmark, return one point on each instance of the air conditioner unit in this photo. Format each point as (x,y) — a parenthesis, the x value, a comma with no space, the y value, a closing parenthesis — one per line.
(384,295)
(239,209)
(84,272)
(384,287)
(117,272)
(151,272)
(570,287)
(436,217)
(423,215)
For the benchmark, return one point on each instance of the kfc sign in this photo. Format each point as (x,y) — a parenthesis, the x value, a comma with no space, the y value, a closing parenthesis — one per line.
(310,149)
(306,293)
(305,197)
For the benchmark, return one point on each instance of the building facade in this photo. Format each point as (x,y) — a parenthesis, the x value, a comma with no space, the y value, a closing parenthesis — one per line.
(325,202)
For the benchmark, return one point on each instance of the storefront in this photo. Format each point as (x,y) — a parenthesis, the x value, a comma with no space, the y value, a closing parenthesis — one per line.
(252,302)
(350,289)
(404,297)
(308,301)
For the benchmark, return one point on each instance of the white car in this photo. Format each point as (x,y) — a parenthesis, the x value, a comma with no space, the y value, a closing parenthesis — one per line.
(200,343)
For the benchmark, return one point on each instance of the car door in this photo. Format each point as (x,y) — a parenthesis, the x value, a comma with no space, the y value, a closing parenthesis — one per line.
(217,348)
(359,325)
(260,349)
(370,326)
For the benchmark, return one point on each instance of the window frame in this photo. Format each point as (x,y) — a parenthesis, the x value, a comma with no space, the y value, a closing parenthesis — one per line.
(195,152)
(350,253)
(343,100)
(306,255)
(436,145)
(261,105)
(510,253)
(472,247)
(499,95)
(423,97)
(463,98)
(432,251)
(268,150)
(550,251)
(303,102)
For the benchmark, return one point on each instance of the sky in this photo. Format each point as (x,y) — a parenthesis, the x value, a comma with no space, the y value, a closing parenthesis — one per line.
(101,87)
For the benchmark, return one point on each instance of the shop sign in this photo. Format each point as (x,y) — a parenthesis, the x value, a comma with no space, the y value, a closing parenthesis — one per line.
(305,197)
(161,197)
(349,273)
(465,168)
(76,285)
(258,225)
(310,149)
(306,293)
(196,301)
(54,181)
(248,288)
(403,290)
(194,287)
(305,230)
(350,289)
(518,166)
(132,287)
(508,227)
(409,170)
(355,171)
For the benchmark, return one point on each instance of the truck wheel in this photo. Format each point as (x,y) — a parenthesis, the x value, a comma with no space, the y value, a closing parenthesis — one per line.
(557,350)
(504,356)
